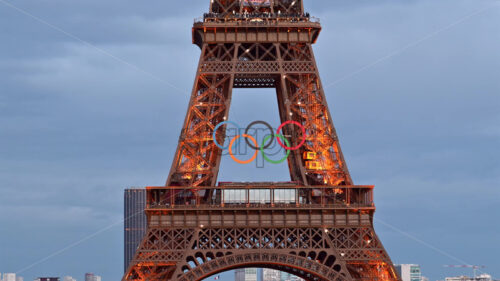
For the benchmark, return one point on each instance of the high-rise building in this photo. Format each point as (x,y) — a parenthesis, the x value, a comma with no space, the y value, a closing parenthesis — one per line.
(482,277)
(69,278)
(48,279)
(239,274)
(245,274)
(19,278)
(9,277)
(135,222)
(409,272)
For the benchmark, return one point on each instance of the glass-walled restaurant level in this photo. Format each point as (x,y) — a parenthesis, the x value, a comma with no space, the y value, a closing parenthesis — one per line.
(247,196)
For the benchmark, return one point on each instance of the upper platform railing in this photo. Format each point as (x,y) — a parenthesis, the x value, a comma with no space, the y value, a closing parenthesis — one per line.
(252,6)
(256,18)
(251,196)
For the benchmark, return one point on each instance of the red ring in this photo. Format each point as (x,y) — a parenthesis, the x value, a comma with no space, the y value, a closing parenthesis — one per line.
(303,135)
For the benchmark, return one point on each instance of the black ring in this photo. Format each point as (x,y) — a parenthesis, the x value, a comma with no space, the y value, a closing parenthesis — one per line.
(265,124)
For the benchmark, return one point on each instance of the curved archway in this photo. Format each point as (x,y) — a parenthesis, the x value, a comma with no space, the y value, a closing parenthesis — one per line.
(303,267)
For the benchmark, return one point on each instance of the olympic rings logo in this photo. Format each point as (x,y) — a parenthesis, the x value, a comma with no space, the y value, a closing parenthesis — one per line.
(266,142)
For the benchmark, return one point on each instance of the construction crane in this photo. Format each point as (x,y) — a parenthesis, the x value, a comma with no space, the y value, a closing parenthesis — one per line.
(474,267)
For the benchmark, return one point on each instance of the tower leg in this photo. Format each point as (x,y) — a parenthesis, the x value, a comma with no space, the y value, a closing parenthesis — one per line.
(197,158)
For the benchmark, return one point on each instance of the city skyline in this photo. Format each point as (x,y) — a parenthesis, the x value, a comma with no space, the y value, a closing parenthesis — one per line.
(13,277)
(73,142)
(266,274)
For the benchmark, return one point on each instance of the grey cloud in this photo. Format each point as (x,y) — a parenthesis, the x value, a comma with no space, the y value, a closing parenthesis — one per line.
(77,126)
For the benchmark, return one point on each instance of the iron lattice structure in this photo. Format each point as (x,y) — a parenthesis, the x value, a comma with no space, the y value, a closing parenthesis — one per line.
(326,231)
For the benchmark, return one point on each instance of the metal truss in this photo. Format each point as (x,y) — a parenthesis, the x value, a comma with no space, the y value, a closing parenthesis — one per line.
(345,253)
(326,235)
(291,69)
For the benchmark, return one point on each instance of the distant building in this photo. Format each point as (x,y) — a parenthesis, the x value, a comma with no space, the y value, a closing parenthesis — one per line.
(92,277)
(89,276)
(69,278)
(276,275)
(9,277)
(482,277)
(270,275)
(135,222)
(48,279)
(409,272)
(245,274)
(19,278)
(289,277)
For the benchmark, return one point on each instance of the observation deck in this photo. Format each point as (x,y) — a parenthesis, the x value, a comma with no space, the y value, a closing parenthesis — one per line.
(260,204)
(256,27)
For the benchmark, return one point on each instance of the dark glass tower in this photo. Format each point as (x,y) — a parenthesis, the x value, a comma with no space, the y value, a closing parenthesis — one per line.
(135,222)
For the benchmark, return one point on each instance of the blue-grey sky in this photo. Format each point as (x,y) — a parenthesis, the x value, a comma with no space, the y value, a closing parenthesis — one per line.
(78,125)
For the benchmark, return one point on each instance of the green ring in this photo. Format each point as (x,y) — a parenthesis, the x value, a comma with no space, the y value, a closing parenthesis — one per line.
(264,154)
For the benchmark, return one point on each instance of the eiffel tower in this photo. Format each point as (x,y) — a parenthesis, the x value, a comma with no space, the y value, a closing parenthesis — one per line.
(322,228)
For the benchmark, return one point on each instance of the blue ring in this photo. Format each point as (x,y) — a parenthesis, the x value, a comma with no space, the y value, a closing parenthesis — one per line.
(215,131)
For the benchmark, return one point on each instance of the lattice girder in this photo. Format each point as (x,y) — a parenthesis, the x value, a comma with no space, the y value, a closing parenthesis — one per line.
(313,253)
(260,44)
(300,98)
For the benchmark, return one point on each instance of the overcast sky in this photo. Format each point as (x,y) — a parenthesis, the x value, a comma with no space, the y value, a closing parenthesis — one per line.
(413,87)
